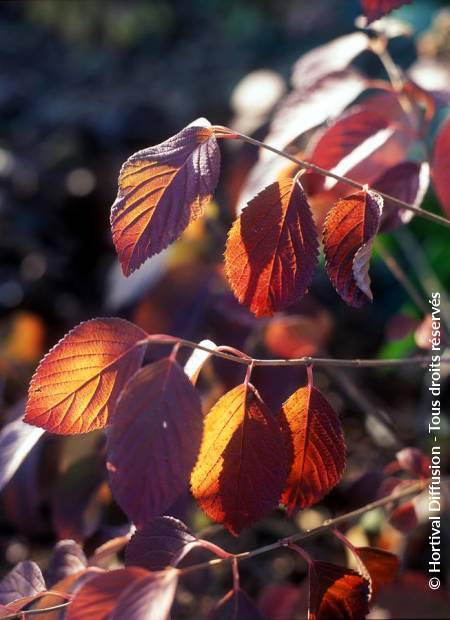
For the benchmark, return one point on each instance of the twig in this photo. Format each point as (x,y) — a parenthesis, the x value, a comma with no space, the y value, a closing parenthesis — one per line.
(413,489)
(226,132)
(418,360)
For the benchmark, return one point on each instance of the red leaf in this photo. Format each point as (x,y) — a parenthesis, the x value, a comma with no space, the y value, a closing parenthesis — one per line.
(161,190)
(441,165)
(382,567)
(243,462)
(319,449)
(24,580)
(162,542)
(154,440)
(309,106)
(349,230)
(359,145)
(406,181)
(272,249)
(404,518)
(76,385)
(67,586)
(235,605)
(325,59)
(336,592)
(374,9)
(96,599)
(149,598)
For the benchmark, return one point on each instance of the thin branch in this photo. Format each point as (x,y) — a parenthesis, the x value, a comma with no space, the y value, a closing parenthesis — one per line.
(437,219)
(418,360)
(35,612)
(412,489)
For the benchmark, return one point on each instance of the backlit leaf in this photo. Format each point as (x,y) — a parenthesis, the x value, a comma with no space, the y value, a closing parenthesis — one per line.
(360,145)
(441,165)
(66,559)
(235,605)
(348,233)
(243,461)
(162,542)
(404,517)
(319,448)
(96,599)
(325,59)
(161,190)
(336,592)
(381,566)
(154,440)
(24,580)
(197,360)
(17,439)
(374,9)
(407,181)
(309,106)
(149,598)
(272,249)
(76,385)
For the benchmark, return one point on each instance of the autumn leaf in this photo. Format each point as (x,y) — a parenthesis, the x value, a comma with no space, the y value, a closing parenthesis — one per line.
(441,165)
(154,440)
(67,558)
(235,605)
(96,599)
(407,181)
(162,189)
(298,335)
(243,462)
(76,385)
(365,141)
(309,106)
(319,448)
(336,592)
(348,233)
(272,249)
(24,580)
(149,598)
(374,9)
(162,542)
(328,58)
(381,566)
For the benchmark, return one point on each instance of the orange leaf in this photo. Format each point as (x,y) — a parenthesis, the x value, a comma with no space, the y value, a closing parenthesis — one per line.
(348,233)
(243,462)
(77,383)
(272,249)
(336,592)
(161,190)
(319,448)
(381,566)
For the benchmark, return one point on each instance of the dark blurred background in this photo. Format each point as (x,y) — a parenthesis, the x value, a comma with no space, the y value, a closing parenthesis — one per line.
(85,83)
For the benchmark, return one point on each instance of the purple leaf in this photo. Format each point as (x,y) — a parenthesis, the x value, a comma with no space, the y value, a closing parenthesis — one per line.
(161,190)
(16,441)
(328,58)
(162,542)
(154,440)
(407,181)
(66,559)
(25,579)
(149,598)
